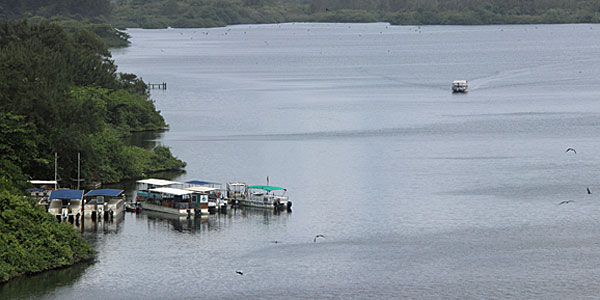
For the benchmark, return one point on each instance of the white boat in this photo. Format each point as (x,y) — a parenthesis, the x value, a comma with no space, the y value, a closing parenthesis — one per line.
(459,86)
(200,195)
(214,191)
(165,196)
(264,196)
(41,190)
(236,191)
(65,204)
(104,203)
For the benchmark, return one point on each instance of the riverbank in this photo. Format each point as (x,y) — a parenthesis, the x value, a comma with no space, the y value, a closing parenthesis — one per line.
(62,95)
(32,241)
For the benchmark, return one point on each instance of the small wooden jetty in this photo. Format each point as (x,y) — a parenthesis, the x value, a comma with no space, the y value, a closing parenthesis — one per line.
(160,86)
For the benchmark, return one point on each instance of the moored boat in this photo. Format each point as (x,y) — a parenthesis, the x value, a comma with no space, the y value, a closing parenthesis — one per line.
(41,190)
(66,204)
(104,203)
(165,196)
(264,196)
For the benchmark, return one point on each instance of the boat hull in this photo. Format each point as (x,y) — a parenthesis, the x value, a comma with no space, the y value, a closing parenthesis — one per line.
(168,210)
(260,204)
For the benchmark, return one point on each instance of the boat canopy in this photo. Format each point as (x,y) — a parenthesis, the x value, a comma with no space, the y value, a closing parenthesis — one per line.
(172,191)
(200,182)
(66,194)
(104,192)
(35,190)
(201,189)
(42,181)
(157,182)
(266,188)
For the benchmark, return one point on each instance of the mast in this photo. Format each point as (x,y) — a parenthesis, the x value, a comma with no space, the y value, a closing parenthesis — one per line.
(55,160)
(78,168)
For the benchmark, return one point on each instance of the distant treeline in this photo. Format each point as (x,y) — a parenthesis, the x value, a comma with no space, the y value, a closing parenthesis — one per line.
(208,13)
(103,16)
(73,15)
(60,92)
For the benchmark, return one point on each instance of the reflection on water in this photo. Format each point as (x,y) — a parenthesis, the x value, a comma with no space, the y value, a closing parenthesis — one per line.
(103,225)
(214,222)
(144,139)
(33,287)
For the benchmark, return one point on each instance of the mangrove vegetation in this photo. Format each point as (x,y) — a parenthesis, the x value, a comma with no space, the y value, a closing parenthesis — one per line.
(60,92)
(210,13)
(102,17)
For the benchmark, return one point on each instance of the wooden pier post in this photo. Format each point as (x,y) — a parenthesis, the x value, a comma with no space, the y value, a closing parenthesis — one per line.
(160,86)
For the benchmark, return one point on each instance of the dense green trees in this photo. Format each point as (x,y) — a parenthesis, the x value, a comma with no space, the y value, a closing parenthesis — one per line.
(31,240)
(206,13)
(59,92)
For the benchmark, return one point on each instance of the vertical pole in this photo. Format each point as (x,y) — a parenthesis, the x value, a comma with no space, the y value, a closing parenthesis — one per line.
(55,160)
(267,180)
(78,168)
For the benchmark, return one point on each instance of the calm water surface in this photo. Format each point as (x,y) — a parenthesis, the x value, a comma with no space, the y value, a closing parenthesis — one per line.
(420,193)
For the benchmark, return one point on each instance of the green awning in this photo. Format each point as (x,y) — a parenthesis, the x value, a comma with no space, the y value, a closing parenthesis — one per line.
(266,188)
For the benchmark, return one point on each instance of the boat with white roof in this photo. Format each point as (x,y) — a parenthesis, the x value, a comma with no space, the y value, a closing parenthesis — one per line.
(459,86)
(165,196)
(216,200)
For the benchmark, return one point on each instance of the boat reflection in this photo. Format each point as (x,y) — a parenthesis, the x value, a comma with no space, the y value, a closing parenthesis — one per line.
(102,225)
(214,222)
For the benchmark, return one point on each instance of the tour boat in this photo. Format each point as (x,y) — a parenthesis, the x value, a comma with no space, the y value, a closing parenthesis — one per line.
(264,196)
(66,204)
(213,190)
(165,196)
(459,86)
(42,190)
(104,203)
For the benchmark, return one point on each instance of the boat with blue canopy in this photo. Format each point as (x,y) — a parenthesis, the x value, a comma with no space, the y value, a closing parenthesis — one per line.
(104,203)
(66,204)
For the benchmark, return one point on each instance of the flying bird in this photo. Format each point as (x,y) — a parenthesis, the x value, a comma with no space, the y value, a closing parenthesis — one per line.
(318,236)
(239,272)
(589,192)
(566,202)
(571,149)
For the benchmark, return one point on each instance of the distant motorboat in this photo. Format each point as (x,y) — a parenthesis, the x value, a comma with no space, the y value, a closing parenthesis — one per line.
(459,86)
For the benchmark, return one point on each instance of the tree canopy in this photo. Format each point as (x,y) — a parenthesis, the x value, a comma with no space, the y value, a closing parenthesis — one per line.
(60,92)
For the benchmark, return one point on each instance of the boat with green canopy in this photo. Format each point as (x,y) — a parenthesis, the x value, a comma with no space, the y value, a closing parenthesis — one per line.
(265,196)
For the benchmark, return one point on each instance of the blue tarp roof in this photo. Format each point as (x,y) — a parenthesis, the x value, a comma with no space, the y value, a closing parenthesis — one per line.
(66,194)
(200,182)
(104,192)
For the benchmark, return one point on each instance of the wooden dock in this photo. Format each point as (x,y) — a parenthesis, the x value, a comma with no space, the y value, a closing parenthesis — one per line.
(160,86)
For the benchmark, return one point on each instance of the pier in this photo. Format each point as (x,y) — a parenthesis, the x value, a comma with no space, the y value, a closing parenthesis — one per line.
(160,86)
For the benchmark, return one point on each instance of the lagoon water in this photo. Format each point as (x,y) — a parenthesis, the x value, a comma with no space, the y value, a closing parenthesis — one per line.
(421,193)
